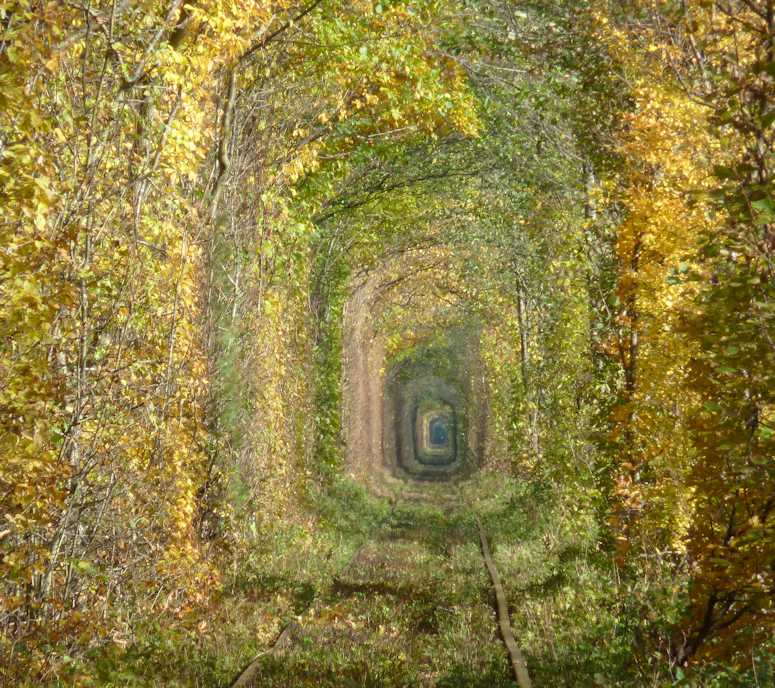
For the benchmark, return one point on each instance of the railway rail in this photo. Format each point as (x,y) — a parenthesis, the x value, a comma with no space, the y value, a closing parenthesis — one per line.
(419,603)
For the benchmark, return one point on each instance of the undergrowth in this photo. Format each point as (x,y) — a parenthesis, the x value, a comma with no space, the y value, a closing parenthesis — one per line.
(415,607)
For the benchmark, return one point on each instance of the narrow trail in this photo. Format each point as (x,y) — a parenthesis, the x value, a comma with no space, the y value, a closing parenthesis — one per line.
(413,607)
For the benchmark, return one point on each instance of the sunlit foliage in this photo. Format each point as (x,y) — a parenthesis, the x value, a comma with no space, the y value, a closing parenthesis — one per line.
(191,193)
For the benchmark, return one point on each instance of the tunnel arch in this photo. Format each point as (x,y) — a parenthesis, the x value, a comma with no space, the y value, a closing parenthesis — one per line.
(414,398)
(416,410)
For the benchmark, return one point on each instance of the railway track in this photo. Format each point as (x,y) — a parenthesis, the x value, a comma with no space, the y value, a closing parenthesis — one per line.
(416,605)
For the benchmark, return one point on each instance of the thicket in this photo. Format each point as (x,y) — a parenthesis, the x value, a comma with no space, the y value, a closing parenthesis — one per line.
(188,191)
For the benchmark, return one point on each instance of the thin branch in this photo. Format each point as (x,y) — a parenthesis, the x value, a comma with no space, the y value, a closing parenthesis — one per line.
(266,40)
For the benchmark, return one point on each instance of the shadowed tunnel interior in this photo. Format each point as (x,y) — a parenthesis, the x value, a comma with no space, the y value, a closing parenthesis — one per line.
(425,413)
(414,411)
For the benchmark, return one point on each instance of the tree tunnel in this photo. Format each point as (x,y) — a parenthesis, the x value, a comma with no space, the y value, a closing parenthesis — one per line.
(424,435)
(416,409)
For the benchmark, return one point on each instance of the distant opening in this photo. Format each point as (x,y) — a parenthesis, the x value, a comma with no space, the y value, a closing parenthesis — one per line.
(435,433)
(439,433)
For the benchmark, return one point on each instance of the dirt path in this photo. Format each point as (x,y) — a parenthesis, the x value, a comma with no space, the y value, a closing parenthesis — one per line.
(413,608)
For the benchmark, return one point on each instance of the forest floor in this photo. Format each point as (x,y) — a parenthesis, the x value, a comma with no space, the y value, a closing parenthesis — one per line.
(411,608)
(412,605)
(393,591)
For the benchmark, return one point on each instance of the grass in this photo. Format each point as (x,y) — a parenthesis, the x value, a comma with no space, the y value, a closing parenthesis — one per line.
(414,607)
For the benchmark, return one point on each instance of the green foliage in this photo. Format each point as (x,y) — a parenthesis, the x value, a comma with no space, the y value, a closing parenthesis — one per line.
(196,196)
